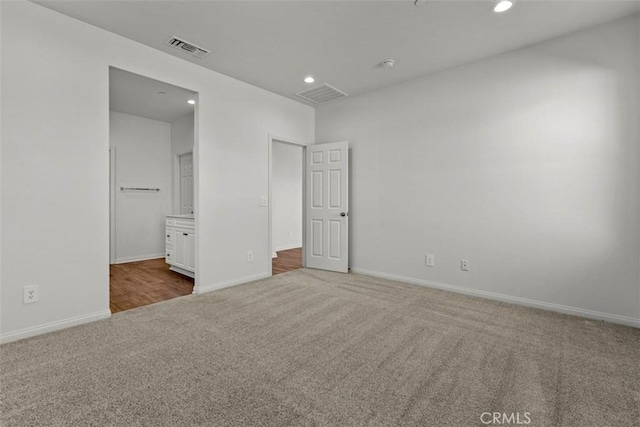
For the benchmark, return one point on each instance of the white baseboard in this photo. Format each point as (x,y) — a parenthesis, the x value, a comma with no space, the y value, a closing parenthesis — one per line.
(217,286)
(274,255)
(287,247)
(54,326)
(139,258)
(590,314)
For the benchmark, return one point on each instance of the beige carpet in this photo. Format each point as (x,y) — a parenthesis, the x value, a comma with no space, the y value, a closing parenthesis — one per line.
(316,348)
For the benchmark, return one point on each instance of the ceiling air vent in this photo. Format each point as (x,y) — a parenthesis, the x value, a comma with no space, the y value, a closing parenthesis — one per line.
(321,94)
(194,50)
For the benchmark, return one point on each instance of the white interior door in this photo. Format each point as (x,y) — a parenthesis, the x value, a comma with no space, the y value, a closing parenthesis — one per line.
(186,183)
(327,213)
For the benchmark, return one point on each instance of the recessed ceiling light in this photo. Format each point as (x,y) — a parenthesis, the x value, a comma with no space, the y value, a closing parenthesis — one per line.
(309,79)
(191,101)
(502,6)
(420,2)
(162,93)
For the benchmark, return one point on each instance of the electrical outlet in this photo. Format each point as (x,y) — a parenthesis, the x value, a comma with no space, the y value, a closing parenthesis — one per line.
(264,201)
(249,256)
(464,264)
(429,260)
(30,294)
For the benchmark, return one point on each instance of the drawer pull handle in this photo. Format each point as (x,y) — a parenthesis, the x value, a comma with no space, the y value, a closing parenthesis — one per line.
(185,234)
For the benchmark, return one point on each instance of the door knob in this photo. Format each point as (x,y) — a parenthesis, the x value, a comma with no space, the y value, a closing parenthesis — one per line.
(343,214)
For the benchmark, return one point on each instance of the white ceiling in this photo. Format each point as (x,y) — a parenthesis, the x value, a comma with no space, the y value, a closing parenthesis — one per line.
(274,44)
(140,96)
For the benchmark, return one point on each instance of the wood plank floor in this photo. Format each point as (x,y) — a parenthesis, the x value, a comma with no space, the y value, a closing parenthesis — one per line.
(288,260)
(135,284)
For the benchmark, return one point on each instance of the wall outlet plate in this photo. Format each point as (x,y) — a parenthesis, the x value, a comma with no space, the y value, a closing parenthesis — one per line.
(429,260)
(464,264)
(31,294)
(249,256)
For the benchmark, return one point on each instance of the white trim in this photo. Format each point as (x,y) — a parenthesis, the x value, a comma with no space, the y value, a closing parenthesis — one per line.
(274,255)
(139,258)
(575,311)
(54,326)
(112,203)
(287,247)
(196,185)
(286,140)
(229,283)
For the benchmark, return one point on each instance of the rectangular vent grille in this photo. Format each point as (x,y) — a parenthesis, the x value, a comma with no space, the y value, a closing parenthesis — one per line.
(321,94)
(192,49)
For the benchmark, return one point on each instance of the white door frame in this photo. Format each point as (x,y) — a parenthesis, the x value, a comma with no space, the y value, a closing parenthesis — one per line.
(280,140)
(112,205)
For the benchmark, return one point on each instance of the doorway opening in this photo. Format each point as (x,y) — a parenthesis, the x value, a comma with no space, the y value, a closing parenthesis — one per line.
(286,219)
(151,180)
(323,199)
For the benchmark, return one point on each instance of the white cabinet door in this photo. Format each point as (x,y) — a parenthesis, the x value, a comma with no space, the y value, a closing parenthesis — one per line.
(180,253)
(191,251)
(185,248)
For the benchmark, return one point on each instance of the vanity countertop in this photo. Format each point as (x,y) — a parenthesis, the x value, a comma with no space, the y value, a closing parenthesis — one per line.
(185,216)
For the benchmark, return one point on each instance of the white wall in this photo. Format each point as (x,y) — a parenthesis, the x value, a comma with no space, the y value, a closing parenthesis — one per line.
(143,159)
(526,164)
(55,189)
(286,196)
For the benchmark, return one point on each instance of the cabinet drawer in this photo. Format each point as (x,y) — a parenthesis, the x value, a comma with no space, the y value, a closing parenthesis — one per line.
(179,231)
(169,254)
(168,236)
(170,221)
(184,223)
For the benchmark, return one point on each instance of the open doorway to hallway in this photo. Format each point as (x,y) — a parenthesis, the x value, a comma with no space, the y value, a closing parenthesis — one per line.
(286,206)
(287,260)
